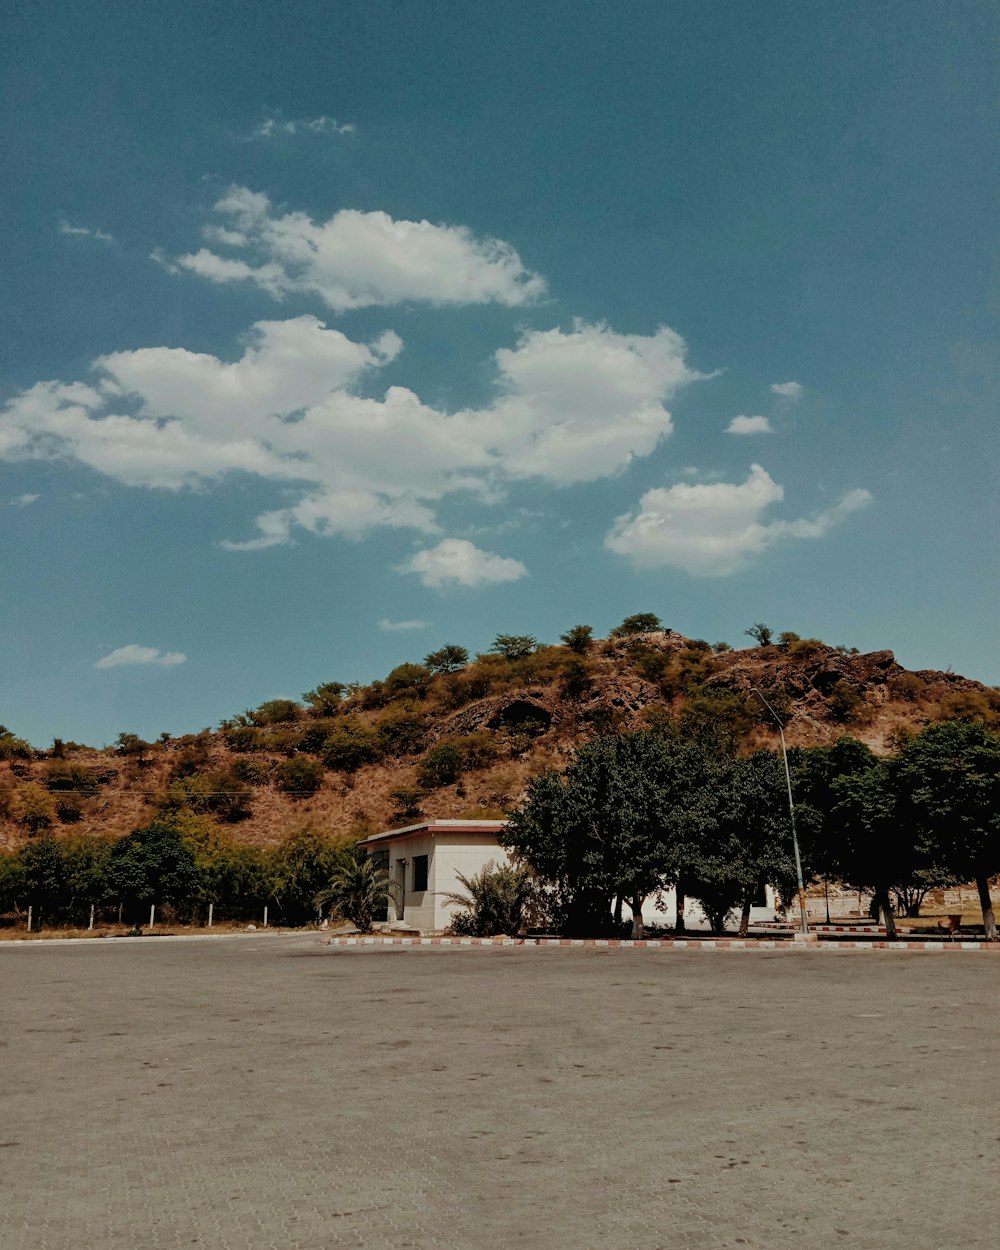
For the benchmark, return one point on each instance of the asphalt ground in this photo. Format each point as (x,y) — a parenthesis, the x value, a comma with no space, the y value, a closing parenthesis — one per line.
(272,1092)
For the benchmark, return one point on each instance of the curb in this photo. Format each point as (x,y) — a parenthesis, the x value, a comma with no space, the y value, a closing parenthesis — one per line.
(731,944)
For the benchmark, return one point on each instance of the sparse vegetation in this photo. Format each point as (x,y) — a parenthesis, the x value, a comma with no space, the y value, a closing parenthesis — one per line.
(762,634)
(638,623)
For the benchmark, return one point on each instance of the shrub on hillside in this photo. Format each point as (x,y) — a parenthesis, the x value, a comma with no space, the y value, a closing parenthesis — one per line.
(351,746)
(326,699)
(514,646)
(300,776)
(579,639)
(401,730)
(844,702)
(253,772)
(638,623)
(441,766)
(447,659)
(275,712)
(34,808)
(73,778)
(407,679)
(13,748)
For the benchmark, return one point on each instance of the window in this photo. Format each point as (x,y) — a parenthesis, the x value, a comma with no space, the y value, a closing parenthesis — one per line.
(419,872)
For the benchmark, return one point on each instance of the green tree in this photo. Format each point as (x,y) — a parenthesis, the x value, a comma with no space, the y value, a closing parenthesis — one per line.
(762,634)
(406,679)
(152,865)
(638,623)
(949,781)
(514,646)
(131,744)
(579,639)
(300,866)
(493,901)
(447,659)
(621,822)
(849,821)
(357,889)
(13,748)
(44,879)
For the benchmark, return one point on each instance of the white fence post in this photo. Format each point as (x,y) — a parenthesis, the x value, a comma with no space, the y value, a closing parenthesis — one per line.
(211,911)
(91,925)
(265,915)
(29,919)
(152,914)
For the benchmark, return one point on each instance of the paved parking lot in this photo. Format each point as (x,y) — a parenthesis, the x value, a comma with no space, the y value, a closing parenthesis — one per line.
(268,1091)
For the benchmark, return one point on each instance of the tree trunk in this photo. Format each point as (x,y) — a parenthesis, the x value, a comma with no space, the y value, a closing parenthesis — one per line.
(636,905)
(681,907)
(885,911)
(745,917)
(618,912)
(989,920)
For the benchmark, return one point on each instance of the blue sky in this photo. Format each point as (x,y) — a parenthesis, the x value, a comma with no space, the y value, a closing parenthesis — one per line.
(336,331)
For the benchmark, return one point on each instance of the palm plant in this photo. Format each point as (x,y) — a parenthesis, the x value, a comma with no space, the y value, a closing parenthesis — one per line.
(358,889)
(493,902)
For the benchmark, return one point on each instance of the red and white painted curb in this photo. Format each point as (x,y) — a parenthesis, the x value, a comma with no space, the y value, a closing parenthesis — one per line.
(711,944)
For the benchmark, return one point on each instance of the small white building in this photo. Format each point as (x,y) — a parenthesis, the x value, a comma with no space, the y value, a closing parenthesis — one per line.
(423,862)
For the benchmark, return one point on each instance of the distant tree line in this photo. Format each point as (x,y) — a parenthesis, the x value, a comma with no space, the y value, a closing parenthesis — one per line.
(178,863)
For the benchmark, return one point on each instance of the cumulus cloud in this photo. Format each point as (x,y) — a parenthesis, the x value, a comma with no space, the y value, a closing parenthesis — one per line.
(275,126)
(134,654)
(456,561)
(394,626)
(749,425)
(787,390)
(359,259)
(570,406)
(713,529)
(86,232)
(24,501)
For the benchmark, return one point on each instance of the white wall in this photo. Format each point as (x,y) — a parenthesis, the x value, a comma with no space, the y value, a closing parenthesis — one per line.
(449,854)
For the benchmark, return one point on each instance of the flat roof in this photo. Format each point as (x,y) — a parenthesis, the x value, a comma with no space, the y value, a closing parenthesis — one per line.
(430,826)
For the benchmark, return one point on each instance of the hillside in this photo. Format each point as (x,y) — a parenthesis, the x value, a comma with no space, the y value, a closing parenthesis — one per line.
(462,738)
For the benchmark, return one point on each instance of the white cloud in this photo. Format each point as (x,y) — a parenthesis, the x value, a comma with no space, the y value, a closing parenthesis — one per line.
(711,530)
(456,561)
(787,390)
(358,259)
(86,231)
(134,654)
(393,626)
(274,126)
(571,406)
(749,425)
(24,501)
(580,405)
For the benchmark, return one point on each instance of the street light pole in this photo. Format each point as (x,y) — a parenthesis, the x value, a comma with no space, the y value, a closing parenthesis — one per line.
(803,921)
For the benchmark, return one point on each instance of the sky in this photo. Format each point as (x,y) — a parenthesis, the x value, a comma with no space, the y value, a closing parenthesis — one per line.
(332,332)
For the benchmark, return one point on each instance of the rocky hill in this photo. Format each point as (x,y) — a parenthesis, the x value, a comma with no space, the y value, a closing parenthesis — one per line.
(455,738)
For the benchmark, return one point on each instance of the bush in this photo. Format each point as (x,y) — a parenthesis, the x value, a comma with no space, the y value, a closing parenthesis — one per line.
(907,686)
(351,746)
(69,809)
(326,699)
(805,646)
(406,679)
(401,731)
(441,766)
(240,737)
(275,712)
(189,760)
(12,748)
(299,776)
(34,808)
(638,623)
(844,701)
(253,772)
(406,804)
(74,778)
(493,903)
(220,794)
(577,676)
